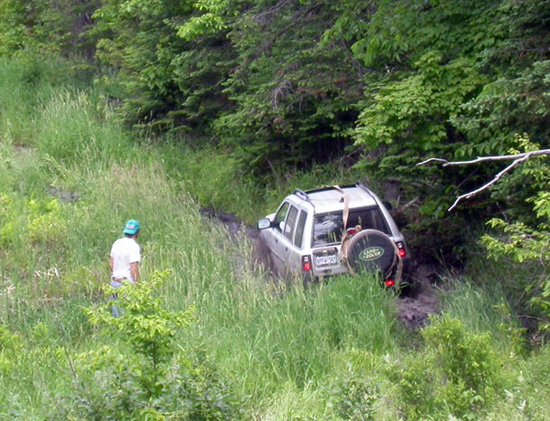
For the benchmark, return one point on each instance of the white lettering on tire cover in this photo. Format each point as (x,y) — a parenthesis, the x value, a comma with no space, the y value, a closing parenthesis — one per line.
(371,253)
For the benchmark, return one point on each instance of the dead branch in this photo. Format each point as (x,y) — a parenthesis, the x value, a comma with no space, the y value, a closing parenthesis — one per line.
(517,159)
(280,92)
(490,183)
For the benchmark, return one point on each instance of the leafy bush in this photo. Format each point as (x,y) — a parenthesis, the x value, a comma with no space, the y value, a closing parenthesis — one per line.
(457,372)
(466,359)
(526,239)
(148,376)
(10,346)
(354,396)
(44,25)
(32,221)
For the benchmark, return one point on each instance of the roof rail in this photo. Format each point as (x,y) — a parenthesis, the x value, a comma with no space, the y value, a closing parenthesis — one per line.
(302,195)
(361,185)
(364,188)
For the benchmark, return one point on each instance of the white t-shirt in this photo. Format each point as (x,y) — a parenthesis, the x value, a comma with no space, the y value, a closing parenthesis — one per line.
(124,252)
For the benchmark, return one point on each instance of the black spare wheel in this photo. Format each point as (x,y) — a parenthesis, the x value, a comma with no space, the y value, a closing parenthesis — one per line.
(371,250)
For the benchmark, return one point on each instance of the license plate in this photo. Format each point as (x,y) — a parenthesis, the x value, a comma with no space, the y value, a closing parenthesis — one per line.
(326,260)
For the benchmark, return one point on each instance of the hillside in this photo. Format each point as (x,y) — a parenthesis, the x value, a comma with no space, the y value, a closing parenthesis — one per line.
(234,344)
(175,113)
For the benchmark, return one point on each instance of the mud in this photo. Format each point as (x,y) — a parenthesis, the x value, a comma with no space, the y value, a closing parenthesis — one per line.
(416,302)
(419,300)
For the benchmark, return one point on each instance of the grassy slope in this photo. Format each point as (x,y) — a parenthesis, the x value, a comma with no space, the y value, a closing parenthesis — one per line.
(293,353)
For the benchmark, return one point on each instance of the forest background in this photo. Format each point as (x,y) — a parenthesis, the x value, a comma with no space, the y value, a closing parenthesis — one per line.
(157,108)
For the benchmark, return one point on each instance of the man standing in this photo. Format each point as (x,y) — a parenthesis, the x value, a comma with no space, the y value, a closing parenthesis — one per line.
(125,256)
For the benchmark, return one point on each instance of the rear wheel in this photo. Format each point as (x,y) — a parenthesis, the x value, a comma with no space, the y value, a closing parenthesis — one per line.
(371,251)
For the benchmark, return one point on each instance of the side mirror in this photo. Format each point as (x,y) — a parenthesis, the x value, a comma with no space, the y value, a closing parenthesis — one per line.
(264,223)
(388,205)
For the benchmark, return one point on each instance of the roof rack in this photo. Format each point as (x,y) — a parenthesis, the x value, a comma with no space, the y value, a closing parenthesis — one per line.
(304,195)
(329,188)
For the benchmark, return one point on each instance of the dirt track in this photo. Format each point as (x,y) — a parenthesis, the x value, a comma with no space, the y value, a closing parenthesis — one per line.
(415,304)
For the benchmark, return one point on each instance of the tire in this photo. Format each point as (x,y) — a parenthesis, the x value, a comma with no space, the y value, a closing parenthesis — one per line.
(371,251)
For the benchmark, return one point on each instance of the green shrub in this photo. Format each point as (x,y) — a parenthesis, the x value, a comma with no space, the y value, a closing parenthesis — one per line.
(416,386)
(145,374)
(456,373)
(10,346)
(32,221)
(355,395)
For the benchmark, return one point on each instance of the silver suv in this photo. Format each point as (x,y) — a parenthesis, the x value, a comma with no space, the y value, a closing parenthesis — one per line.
(334,230)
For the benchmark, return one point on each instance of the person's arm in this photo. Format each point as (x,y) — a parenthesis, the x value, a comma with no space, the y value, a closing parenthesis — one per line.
(111,264)
(134,270)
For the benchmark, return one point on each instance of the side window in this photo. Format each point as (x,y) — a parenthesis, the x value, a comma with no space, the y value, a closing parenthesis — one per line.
(281,215)
(300,229)
(291,222)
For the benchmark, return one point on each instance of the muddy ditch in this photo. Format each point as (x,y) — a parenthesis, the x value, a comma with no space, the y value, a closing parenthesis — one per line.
(416,302)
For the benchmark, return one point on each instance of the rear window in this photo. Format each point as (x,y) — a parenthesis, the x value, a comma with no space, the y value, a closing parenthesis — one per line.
(329,226)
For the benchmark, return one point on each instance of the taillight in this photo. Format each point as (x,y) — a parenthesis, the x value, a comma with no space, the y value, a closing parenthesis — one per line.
(390,282)
(306,263)
(401,247)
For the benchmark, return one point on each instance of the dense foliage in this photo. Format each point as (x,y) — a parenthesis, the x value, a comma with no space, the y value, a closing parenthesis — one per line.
(278,85)
(271,87)
(293,82)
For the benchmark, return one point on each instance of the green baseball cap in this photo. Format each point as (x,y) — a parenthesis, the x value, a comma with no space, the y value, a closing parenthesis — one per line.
(132,226)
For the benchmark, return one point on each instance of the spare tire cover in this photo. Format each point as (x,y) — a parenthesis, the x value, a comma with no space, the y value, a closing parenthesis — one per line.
(371,250)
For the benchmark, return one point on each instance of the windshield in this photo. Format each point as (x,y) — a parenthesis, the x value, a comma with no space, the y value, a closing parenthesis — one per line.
(329,226)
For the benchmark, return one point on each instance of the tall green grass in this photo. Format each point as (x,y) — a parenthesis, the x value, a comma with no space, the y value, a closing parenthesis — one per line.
(320,352)
(55,259)
(293,338)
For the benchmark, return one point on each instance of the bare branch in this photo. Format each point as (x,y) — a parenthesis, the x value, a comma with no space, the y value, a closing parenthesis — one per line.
(490,183)
(284,89)
(487,158)
(428,161)
(517,159)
